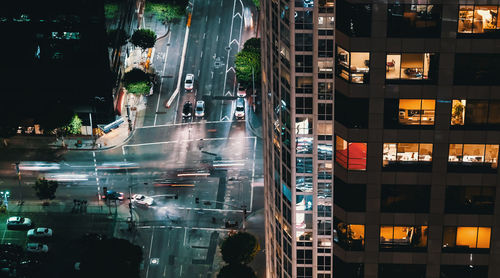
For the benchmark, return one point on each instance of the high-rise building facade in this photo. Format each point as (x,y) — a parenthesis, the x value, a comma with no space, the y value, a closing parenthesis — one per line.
(381,138)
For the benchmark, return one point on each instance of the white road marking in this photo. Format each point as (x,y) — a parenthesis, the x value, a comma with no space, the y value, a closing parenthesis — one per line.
(230,36)
(206,18)
(212,75)
(253,174)
(198,73)
(217,39)
(176,124)
(219,20)
(204,35)
(185,233)
(201,55)
(181,227)
(180,273)
(150,249)
(189,140)
(161,81)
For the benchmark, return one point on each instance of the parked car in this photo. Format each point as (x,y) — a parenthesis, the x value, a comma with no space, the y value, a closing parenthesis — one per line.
(113,195)
(187,109)
(142,200)
(17,222)
(35,247)
(189,82)
(200,108)
(240,108)
(241,91)
(39,233)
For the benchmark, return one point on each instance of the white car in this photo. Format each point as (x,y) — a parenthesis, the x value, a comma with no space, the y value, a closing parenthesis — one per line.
(240,109)
(241,91)
(39,233)
(189,81)
(199,111)
(37,247)
(142,200)
(18,222)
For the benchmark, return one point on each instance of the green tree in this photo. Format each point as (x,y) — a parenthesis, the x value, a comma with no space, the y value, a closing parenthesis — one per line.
(113,257)
(110,10)
(252,44)
(256,3)
(137,81)
(167,12)
(143,38)
(246,62)
(239,248)
(236,270)
(117,37)
(74,126)
(45,189)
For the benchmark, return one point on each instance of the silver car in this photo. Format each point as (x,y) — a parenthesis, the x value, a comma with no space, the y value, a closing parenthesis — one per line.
(199,111)
(18,222)
(39,233)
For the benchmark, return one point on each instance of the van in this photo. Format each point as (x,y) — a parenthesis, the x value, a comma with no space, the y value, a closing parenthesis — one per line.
(240,108)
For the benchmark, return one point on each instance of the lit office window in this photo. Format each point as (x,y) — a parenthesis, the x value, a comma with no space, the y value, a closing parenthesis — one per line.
(473,155)
(411,66)
(417,111)
(466,239)
(354,67)
(349,236)
(400,154)
(351,156)
(478,19)
(403,237)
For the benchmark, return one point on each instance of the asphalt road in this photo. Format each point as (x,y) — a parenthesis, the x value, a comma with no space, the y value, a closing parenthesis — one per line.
(179,236)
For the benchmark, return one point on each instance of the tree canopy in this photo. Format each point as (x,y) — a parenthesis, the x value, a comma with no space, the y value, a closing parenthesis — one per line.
(256,3)
(236,270)
(117,37)
(59,117)
(45,189)
(252,44)
(75,125)
(166,12)
(109,257)
(143,38)
(137,81)
(239,248)
(248,59)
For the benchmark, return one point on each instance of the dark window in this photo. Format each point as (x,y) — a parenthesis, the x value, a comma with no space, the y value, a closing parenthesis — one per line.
(324,263)
(304,164)
(464,271)
(347,270)
(354,19)
(304,19)
(304,272)
(303,85)
(304,256)
(325,111)
(351,112)
(470,199)
(349,196)
(303,105)
(475,114)
(401,270)
(477,69)
(405,198)
(303,42)
(410,20)
(303,63)
(325,48)
(325,90)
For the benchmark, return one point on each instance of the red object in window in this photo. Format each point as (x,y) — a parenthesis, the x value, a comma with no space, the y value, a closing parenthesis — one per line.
(357,156)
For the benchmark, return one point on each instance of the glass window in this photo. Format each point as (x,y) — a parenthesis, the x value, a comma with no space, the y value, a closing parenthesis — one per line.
(304,20)
(351,156)
(303,63)
(466,239)
(410,20)
(481,20)
(325,69)
(304,42)
(351,197)
(303,84)
(304,164)
(304,183)
(404,198)
(475,113)
(477,69)
(325,171)
(303,145)
(354,67)
(325,90)
(325,25)
(348,236)
(325,111)
(351,112)
(464,271)
(303,105)
(473,155)
(402,270)
(470,199)
(325,151)
(403,237)
(325,48)
(411,66)
(303,125)
(407,156)
(458,112)
(416,111)
(354,20)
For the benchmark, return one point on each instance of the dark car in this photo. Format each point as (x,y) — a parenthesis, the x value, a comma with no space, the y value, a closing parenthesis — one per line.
(113,195)
(187,109)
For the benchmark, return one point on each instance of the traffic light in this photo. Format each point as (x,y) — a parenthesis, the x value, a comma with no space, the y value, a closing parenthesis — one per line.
(197,200)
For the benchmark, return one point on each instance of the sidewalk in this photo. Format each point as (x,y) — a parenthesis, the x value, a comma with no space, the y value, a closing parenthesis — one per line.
(255,225)
(255,122)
